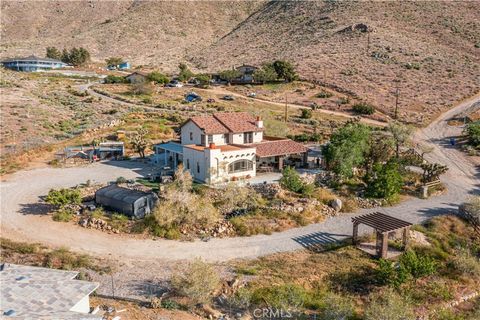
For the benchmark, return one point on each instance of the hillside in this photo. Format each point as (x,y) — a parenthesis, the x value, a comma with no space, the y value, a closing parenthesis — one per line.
(436,38)
(430,47)
(160,33)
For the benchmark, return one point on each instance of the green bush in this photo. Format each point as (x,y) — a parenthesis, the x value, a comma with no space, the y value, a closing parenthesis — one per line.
(417,266)
(291,181)
(385,181)
(158,78)
(473,133)
(63,215)
(337,308)
(363,108)
(324,94)
(306,114)
(114,79)
(63,197)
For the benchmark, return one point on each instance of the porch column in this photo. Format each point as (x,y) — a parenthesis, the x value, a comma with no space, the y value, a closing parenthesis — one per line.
(280,163)
(355,233)
(305,159)
(165,157)
(175,156)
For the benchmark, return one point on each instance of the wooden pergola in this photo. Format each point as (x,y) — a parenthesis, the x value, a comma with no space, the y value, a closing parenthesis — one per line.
(383,225)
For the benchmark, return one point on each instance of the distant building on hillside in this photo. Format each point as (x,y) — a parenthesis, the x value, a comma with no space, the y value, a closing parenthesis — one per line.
(41,293)
(246,73)
(33,63)
(137,77)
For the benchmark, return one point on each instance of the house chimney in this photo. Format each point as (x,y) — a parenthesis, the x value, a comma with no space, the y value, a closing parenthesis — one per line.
(211,145)
(259,122)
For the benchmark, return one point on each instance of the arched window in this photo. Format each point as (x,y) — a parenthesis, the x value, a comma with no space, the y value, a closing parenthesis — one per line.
(240,165)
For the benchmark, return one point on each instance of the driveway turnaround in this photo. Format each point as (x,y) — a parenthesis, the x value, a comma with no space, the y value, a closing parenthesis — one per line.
(22,215)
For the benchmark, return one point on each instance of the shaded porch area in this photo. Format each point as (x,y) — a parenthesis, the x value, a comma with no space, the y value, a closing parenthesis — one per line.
(168,154)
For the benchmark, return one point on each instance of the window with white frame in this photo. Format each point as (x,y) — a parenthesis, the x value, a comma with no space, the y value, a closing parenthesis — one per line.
(240,166)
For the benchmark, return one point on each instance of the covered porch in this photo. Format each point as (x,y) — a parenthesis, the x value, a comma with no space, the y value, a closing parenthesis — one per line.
(275,154)
(169,154)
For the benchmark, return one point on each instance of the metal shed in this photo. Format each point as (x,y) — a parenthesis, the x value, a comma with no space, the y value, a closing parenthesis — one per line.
(133,203)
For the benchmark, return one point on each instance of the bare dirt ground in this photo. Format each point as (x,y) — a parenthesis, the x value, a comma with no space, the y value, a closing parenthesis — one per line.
(22,217)
(142,267)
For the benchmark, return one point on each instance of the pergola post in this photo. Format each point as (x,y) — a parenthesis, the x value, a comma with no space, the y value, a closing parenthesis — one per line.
(384,248)
(406,232)
(355,233)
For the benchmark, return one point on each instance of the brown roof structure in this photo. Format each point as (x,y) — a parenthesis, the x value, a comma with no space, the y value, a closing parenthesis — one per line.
(381,222)
(226,122)
(270,148)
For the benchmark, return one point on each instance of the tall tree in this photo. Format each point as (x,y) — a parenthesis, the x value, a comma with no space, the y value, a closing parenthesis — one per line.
(229,75)
(114,61)
(347,148)
(53,53)
(285,70)
(401,135)
(185,73)
(139,141)
(266,73)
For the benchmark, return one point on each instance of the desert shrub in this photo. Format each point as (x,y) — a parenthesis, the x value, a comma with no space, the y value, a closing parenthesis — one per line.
(388,305)
(390,274)
(473,133)
(324,94)
(18,247)
(63,197)
(198,282)
(363,108)
(291,181)
(417,266)
(180,206)
(337,307)
(62,258)
(286,296)
(236,198)
(142,88)
(121,180)
(98,213)
(324,195)
(349,205)
(63,215)
(466,264)
(114,79)
(306,114)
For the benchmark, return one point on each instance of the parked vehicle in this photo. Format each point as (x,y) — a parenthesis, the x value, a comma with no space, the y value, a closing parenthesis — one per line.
(228,98)
(211,100)
(192,97)
(252,95)
(174,84)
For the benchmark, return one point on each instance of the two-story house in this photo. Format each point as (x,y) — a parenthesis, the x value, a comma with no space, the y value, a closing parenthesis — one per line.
(228,146)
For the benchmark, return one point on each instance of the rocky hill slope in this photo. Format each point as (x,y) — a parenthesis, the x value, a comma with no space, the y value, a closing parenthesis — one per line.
(431,49)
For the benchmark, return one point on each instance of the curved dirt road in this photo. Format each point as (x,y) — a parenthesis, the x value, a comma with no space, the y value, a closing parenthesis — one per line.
(19,198)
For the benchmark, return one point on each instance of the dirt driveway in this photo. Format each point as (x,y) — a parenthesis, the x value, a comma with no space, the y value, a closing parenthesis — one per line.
(19,203)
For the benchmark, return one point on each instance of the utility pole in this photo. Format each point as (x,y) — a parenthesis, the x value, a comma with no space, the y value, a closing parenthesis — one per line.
(397,94)
(368,41)
(286,108)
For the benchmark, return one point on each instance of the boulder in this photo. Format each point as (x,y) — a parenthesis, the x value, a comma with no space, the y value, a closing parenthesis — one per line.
(336,204)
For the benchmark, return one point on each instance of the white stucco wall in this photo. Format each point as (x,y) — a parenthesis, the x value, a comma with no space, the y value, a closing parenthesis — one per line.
(193,157)
(257,136)
(219,161)
(196,133)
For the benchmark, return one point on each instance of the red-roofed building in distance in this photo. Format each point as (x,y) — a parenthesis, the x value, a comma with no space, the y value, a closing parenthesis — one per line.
(228,146)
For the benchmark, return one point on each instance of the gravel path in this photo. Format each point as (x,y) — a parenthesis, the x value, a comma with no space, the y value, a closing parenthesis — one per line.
(22,218)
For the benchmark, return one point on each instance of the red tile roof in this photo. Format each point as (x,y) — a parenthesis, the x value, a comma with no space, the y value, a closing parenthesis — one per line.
(237,122)
(209,124)
(226,122)
(272,148)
